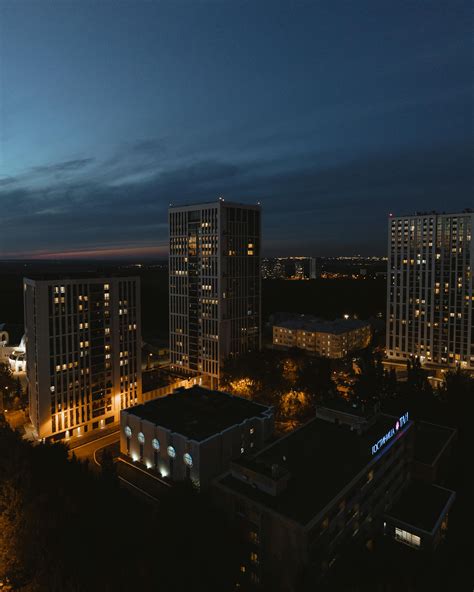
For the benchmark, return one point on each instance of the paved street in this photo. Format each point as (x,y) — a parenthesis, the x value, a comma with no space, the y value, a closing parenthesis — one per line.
(89,449)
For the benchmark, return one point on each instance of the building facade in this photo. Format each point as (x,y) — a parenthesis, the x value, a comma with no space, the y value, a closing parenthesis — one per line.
(299,501)
(329,339)
(83,347)
(193,433)
(430,289)
(214,285)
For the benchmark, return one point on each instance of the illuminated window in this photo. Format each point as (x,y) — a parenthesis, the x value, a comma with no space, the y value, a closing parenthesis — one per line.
(128,431)
(254,557)
(171,452)
(407,537)
(253,536)
(155,443)
(141,437)
(188,459)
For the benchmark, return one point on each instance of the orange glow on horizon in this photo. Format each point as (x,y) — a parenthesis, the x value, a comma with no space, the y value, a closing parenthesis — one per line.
(93,253)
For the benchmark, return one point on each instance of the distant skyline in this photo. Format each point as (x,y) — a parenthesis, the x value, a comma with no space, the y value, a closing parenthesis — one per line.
(331,115)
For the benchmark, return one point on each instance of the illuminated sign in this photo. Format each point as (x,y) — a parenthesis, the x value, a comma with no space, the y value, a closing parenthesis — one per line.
(391,433)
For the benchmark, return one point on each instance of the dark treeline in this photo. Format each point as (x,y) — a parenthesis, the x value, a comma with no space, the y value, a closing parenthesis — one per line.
(65,529)
(324,298)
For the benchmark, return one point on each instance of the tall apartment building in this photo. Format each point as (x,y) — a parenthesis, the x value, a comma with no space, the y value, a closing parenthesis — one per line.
(83,347)
(430,288)
(214,285)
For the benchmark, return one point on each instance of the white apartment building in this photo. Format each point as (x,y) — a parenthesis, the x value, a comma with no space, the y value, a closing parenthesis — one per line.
(214,285)
(328,339)
(83,348)
(430,289)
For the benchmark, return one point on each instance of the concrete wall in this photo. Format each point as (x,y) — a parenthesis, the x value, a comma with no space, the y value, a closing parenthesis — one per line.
(210,457)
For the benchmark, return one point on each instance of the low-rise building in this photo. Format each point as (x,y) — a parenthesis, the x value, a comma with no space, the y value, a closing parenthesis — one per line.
(12,347)
(193,433)
(433,451)
(17,358)
(329,339)
(419,518)
(302,500)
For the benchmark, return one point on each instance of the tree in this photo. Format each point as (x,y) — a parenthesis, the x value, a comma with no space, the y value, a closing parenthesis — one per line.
(7,385)
(57,519)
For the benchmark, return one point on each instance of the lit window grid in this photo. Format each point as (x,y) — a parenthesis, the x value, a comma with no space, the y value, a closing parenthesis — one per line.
(72,381)
(215,302)
(430,289)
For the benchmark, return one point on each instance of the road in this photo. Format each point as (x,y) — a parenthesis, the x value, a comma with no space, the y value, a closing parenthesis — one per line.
(137,480)
(89,449)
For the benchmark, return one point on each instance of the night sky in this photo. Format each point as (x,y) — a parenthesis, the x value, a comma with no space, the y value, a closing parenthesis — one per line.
(332,114)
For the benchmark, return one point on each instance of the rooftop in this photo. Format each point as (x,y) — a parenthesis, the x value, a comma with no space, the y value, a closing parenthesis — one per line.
(341,405)
(321,459)
(199,413)
(431,439)
(464,212)
(421,505)
(213,203)
(314,325)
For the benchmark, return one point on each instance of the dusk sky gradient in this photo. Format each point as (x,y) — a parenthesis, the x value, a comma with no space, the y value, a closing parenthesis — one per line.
(331,114)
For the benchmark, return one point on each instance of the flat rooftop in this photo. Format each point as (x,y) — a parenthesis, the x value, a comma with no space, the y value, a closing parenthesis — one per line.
(213,203)
(198,413)
(313,325)
(421,505)
(430,441)
(341,405)
(321,457)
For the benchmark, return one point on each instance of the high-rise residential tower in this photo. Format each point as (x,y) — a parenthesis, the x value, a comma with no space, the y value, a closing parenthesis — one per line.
(83,348)
(214,285)
(430,288)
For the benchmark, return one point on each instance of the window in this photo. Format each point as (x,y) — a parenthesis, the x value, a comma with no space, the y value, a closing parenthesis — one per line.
(171,452)
(128,431)
(188,459)
(141,437)
(253,536)
(407,537)
(155,443)
(254,557)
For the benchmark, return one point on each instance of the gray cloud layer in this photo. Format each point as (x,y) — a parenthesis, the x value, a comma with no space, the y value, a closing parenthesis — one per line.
(308,207)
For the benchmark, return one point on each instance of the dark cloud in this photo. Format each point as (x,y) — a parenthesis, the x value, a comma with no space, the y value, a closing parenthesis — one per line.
(7,181)
(64,167)
(307,206)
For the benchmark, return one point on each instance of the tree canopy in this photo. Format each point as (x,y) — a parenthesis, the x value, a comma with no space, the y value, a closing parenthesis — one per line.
(65,529)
